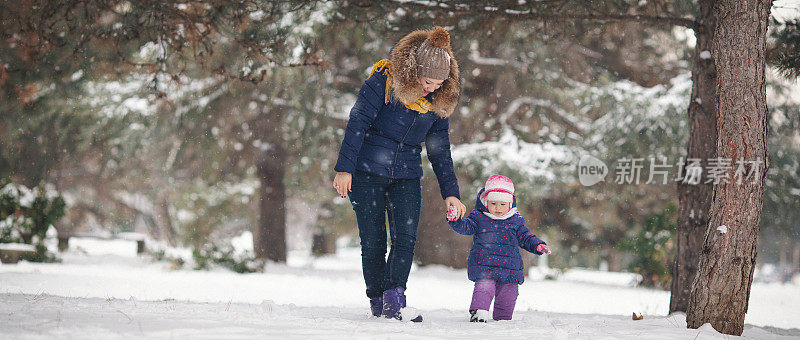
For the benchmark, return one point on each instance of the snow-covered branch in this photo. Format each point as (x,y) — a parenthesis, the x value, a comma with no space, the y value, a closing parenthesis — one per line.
(524,11)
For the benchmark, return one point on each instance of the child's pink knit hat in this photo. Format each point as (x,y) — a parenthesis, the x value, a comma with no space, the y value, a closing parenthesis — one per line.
(498,188)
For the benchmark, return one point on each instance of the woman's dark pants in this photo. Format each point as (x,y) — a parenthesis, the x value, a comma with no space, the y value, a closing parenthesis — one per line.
(374,198)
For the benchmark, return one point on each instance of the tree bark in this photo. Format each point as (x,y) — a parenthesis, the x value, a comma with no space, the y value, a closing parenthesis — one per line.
(164,220)
(270,236)
(783,257)
(721,288)
(796,258)
(436,242)
(694,199)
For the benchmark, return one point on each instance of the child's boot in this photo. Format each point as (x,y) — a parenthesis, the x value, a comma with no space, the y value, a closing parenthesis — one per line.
(478,315)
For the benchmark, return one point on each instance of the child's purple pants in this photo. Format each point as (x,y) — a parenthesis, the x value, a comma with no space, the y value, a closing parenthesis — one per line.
(505,297)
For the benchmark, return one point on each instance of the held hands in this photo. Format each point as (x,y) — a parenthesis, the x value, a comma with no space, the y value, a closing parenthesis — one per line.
(343,183)
(542,248)
(452,213)
(454,203)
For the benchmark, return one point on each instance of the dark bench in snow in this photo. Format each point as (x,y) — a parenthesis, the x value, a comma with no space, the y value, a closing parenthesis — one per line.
(11,252)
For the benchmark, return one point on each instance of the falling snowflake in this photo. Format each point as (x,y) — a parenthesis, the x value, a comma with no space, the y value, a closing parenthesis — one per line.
(722,229)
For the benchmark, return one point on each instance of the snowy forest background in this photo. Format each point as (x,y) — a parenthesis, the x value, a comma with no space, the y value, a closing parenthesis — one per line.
(194,124)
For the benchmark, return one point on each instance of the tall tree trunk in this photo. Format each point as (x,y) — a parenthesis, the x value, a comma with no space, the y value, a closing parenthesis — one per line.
(721,288)
(783,258)
(796,258)
(164,220)
(694,199)
(270,236)
(436,242)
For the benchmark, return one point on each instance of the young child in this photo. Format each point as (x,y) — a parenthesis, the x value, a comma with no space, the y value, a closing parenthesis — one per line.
(494,263)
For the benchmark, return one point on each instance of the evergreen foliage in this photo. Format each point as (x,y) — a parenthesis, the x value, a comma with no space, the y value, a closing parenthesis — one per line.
(27,214)
(653,248)
(786,52)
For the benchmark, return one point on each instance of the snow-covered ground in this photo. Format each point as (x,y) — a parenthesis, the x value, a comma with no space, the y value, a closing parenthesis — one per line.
(102,289)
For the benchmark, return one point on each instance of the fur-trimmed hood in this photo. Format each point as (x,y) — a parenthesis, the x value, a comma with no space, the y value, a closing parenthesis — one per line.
(406,87)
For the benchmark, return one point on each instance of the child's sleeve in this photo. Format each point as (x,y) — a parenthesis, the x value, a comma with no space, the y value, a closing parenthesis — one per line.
(528,240)
(465,226)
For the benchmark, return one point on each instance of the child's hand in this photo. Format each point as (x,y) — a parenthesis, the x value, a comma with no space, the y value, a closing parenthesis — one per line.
(451,201)
(542,248)
(452,213)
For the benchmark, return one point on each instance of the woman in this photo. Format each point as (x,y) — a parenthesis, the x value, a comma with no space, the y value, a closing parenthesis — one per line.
(405,101)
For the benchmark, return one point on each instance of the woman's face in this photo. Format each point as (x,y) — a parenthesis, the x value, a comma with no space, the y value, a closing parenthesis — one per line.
(429,84)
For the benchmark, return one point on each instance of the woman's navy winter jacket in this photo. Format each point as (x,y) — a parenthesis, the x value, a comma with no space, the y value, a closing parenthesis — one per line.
(385,139)
(495,244)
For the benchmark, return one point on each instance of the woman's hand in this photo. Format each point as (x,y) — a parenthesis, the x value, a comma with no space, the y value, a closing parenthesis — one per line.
(343,183)
(455,202)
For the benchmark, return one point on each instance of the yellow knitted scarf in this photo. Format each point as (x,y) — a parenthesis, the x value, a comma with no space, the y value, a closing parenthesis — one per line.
(422,105)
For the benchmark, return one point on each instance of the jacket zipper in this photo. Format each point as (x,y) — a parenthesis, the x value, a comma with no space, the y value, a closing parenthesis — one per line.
(397,153)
